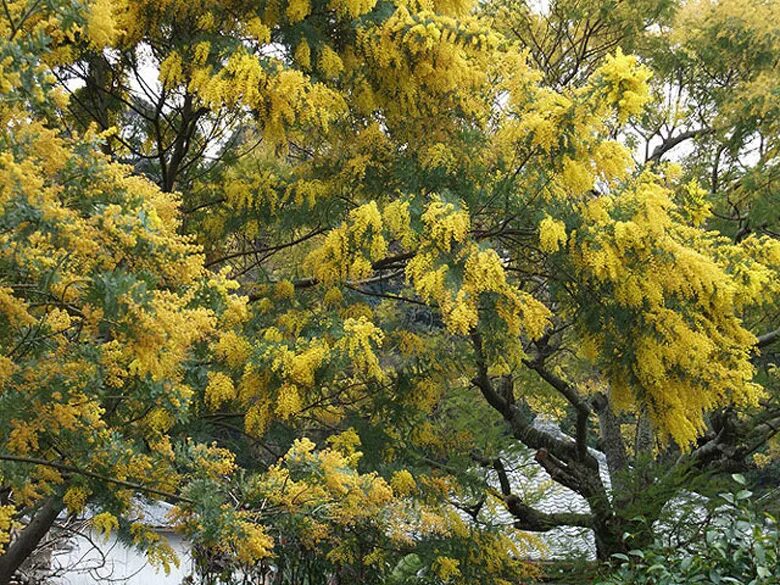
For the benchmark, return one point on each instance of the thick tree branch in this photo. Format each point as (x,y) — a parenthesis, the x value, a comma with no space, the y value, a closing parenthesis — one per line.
(612,439)
(521,429)
(768,338)
(532,520)
(735,440)
(28,538)
(673,141)
(527,517)
(570,393)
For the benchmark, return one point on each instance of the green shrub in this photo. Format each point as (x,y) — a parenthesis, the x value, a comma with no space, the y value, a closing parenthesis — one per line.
(736,546)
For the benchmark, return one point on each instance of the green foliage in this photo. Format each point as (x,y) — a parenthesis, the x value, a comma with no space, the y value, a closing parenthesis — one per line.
(738,546)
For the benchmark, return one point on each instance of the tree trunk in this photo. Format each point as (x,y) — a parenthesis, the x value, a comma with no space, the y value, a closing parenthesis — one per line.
(20,549)
(609,538)
(612,442)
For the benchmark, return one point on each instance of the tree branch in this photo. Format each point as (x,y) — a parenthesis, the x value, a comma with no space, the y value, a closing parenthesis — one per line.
(768,338)
(673,141)
(613,444)
(532,520)
(527,517)
(570,393)
(28,539)
(522,430)
(93,475)
(378,265)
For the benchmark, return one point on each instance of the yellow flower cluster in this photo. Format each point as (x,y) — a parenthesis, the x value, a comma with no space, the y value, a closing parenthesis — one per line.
(75,499)
(397,221)
(576,177)
(541,121)
(352,8)
(6,524)
(329,63)
(446,225)
(284,98)
(360,338)
(219,389)
(233,349)
(297,10)
(105,523)
(552,234)
(625,84)
(415,62)
(158,551)
(647,264)
(101,25)
(403,483)
(446,568)
(252,543)
(326,480)
(348,251)
(483,272)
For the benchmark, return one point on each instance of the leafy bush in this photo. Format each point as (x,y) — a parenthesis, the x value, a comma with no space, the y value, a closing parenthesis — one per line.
(738,546)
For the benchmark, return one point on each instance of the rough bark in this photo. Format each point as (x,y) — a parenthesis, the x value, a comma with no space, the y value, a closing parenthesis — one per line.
(612,442)
(644,433)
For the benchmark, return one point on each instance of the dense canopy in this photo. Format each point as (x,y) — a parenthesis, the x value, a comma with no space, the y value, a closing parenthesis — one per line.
(310,269)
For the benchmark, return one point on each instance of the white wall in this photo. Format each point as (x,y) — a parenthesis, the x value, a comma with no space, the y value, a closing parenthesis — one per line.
(91,559)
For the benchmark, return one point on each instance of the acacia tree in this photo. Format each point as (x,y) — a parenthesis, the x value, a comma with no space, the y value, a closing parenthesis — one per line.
(422,218)
(118,343)
(105,307)
(712,69)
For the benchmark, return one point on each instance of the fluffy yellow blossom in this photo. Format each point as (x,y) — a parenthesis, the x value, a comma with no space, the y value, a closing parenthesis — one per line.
(257,419)
(333,297)
(233,349)
(446,568)
(303,55)
(612,160)
(288,402)
(576,177)
(403,483)
(101,26)
(258,30)
(159,552)
(6,524)
(346,442)
(552,234)
(445,224)
(625,83)
(23,437)
(329,63)
(347,251)
(438,156)
(14,310)
(284,290)
(762,460)
(171,70)
(105,523)
(7,369)
(297,10)
(353,8)
(360,338)
(397,220)
(236,311)
(253,544)
(75,499)
(219,389)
